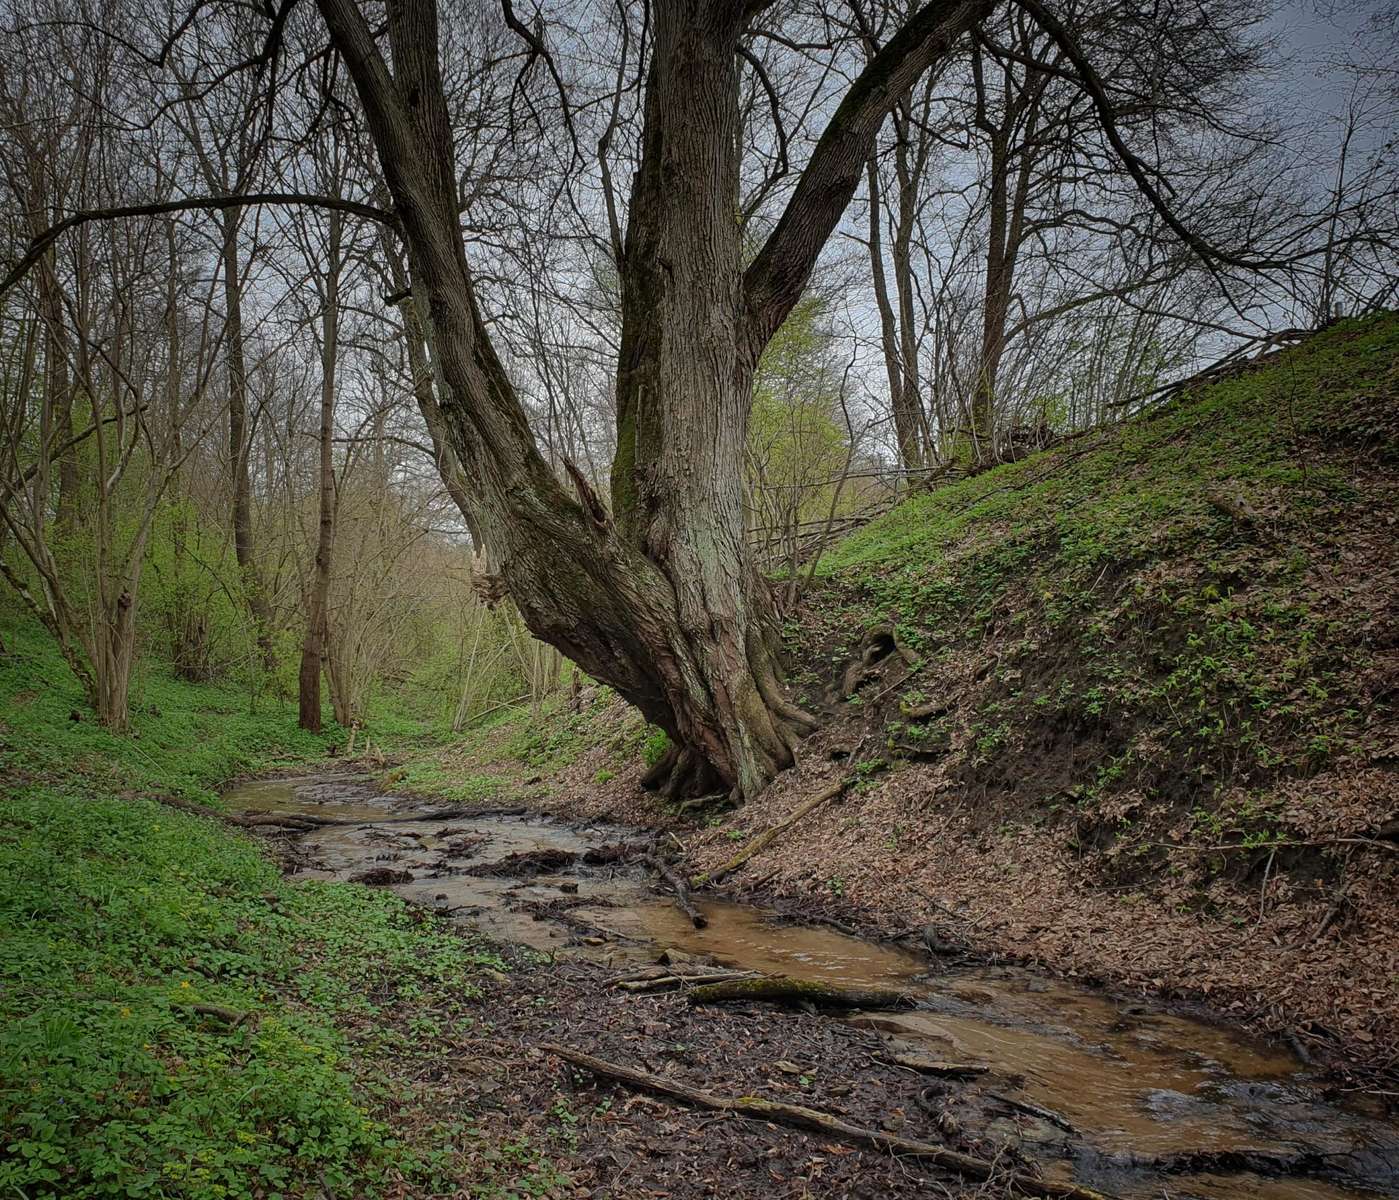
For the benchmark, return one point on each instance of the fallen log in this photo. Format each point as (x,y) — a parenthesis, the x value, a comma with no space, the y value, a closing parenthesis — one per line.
(767,837)
(677,885)
(758,1109)
(779,990)
(231,1017)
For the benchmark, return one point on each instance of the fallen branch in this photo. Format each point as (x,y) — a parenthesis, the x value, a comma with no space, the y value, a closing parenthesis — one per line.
(769,836)
(931,1066)
(757,1109)
(1033,1110)
(231,1017)
(677,885)
(1227,846)
(661,983)
(778,990)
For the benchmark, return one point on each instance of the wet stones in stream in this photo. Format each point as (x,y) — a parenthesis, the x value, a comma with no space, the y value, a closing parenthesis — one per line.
(1122,1096)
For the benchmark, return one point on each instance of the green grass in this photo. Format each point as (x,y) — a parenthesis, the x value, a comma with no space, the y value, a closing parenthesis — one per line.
(120,915)
(1126,609)
(185,739)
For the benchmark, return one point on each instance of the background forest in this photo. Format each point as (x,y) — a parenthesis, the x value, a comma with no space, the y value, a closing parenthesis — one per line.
(222,442)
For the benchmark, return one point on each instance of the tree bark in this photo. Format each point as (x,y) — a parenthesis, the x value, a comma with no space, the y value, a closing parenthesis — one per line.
(240,441)
(1012,162)
(659,598)
(313,644)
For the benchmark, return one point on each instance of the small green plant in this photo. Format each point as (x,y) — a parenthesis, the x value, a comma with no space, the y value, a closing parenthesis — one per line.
(654,748)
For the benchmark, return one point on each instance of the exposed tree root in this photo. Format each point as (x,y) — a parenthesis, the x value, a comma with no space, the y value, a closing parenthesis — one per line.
(758,1109)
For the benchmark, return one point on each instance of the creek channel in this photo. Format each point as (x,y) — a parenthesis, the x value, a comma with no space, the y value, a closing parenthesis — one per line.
(1122,1096)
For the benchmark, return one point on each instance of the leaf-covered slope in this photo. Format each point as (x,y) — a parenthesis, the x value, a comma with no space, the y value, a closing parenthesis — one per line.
(1188,608)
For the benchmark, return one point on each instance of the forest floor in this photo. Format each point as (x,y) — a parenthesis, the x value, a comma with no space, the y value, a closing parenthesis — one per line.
(1127,711)
(177,1021)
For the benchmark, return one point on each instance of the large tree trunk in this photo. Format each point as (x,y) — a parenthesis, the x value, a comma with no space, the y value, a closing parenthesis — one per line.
(684,389)
(658,598)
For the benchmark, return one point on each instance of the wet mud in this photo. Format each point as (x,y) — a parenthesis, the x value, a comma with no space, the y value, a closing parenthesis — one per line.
(1120,1096)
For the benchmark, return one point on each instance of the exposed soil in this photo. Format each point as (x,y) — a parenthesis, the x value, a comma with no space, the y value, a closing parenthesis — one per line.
(1297,943)
(1078,1087)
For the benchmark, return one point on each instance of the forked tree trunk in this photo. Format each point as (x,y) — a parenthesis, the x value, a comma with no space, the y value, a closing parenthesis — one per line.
(659,597)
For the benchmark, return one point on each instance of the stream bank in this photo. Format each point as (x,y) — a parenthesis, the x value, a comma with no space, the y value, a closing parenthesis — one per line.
(1288,954)
(1119,1096)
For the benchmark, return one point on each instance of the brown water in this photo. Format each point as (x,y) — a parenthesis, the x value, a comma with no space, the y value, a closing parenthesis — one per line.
(1116,1085)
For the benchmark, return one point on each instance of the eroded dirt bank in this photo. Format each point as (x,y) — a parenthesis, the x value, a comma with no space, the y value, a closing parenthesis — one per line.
(1063,1082)
(1309,955)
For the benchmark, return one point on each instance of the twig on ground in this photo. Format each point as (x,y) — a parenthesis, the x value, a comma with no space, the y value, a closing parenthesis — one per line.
(770,835)
(758,1109)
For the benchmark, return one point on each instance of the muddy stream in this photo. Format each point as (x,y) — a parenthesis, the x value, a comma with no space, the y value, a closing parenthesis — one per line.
(1127,1097)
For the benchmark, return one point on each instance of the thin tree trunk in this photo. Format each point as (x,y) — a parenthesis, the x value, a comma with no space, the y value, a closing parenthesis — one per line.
(240,442)
(313,645)
(58,384)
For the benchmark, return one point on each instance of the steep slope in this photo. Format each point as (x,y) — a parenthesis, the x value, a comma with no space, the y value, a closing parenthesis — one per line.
(1126,708)
(1141,719)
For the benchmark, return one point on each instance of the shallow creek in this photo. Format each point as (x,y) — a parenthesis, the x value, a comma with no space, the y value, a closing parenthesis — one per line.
(1121,1096)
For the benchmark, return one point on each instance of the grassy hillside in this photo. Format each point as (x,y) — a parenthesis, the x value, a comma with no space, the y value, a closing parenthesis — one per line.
(1182,614)
(134,936)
